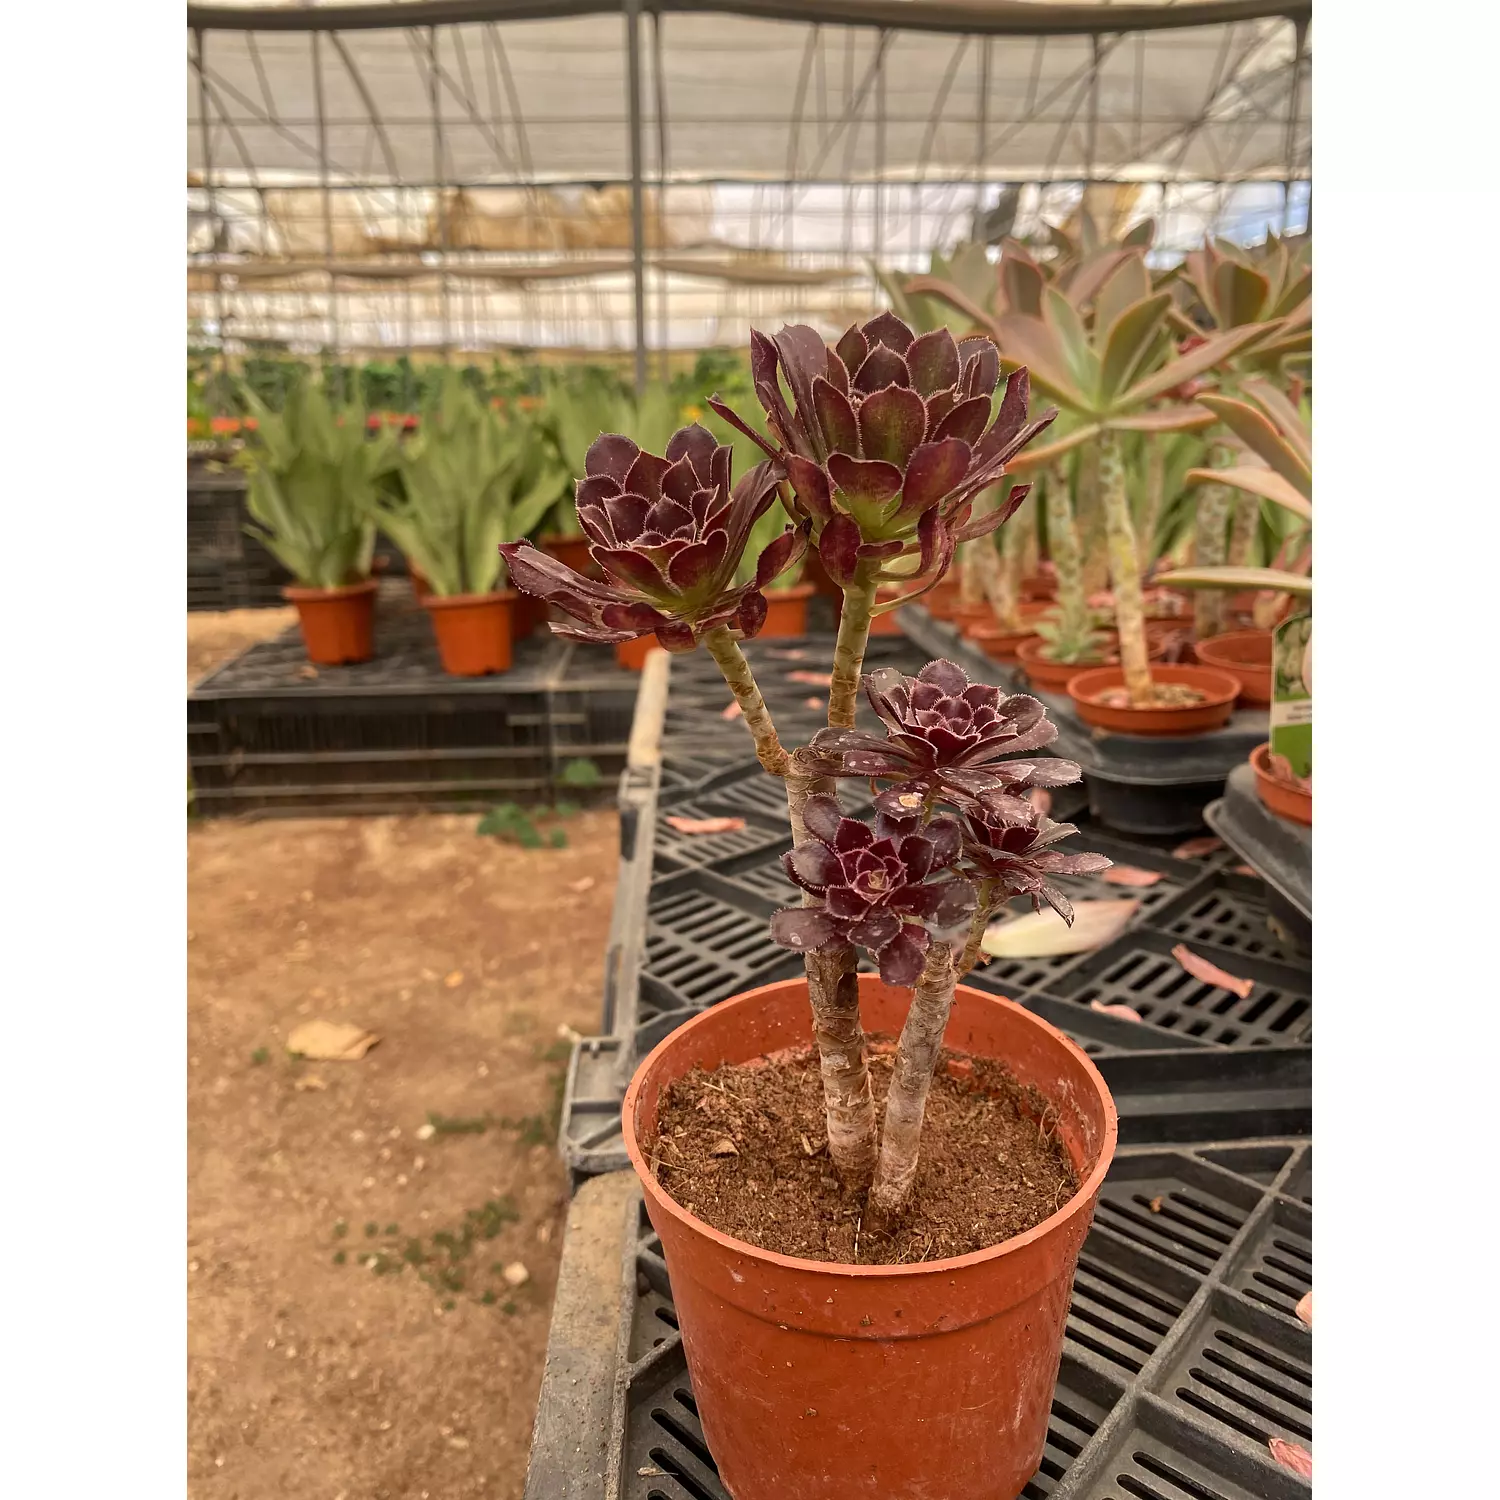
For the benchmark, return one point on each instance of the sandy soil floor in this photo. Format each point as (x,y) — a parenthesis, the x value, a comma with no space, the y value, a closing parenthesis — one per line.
(353,1334)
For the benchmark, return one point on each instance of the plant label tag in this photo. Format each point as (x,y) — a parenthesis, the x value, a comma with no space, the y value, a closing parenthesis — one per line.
(1291,693)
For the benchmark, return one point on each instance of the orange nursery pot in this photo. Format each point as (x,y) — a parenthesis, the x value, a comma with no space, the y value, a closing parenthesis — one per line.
(821,1381)
(1212,711)
(1245,653)
(338,625)
(786,611)
(1292,802)
(473,632)
(571,551)
(632,654)
(1000,644)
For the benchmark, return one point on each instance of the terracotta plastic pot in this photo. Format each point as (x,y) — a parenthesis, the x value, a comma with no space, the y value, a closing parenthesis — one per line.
(1054,676)
(1220,689)
(786,611)
(1245,653)
(1040,588)
(942,602)
(571,551)
(821,1381)
(473,632)
(633,654)
(527,615)
(1286,801)
(338,625)
(1000,644)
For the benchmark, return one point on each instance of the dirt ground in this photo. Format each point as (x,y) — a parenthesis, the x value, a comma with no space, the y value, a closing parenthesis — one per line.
(312,1373)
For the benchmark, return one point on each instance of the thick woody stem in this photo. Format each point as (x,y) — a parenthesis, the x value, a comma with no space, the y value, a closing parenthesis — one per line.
(1067,556)
(972,948)
(726,652)
(848,1105)
(1242,528)
(849,652)
(1125,570)
(906,1103)
(1092,523)
(1209,550)
(1156,483)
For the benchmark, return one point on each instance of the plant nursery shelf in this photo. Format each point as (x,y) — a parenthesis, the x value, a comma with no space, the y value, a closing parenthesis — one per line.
(270,735)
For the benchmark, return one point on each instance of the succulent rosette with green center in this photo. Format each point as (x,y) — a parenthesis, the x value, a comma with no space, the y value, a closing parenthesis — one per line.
(669,533)
(888,439)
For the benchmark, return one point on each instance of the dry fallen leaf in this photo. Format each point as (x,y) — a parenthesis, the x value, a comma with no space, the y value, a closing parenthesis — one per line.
(794,653)
(578,887)
(726,1147)
(734,711)
(814,703)
(1155,1204)
(812,679)
(1116,1008)
(515,1274)
(1041,799)
(1249,870)
(1045,935)
(706,825)
(310,1081)
(1131,875)
(331,1041)
(455,979)
(1197,848)
(307,673)
(1304,1308)
(1291,1456)
(1200,968)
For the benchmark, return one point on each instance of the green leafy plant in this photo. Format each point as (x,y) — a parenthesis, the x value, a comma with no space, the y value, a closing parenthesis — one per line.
(510,822)
(314,475)
(580,773)
(469,482)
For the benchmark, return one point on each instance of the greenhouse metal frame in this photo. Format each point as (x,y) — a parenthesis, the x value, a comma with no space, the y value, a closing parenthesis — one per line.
(444,175)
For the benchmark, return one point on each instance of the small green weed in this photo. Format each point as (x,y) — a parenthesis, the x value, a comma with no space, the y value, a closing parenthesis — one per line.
(260,1055)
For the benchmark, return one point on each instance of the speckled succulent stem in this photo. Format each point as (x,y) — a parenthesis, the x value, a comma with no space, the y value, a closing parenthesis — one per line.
(849,652)
(1031,555)
(971,573)
(982,915)
(1209,549)
(730,660)
(1067,556)
(1242,528)
(848,1105)
(1124,569)
(916,1058)
(1156,483)
(1092,522)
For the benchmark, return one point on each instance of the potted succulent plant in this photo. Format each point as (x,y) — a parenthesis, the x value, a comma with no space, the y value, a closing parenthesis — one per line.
(835,1300)
(461,480)
(313,478)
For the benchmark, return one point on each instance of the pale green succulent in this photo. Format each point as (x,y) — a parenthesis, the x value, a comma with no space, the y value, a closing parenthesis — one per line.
(313,479)
(470,479)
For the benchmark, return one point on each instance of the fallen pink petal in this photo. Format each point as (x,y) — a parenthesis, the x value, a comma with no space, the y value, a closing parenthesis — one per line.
(734,711)
(1197,848)
(815,703)
(1116,1008)
(812,679)
(706,825)
(1201,968)
(1291,1456)
(1304,1308)
(1041,799)
(1131,875)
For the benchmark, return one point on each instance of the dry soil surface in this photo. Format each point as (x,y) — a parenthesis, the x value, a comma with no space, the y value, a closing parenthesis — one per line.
(312,1373)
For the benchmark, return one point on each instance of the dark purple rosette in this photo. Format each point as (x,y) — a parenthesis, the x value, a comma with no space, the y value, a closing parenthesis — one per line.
(669,534)
(880,888)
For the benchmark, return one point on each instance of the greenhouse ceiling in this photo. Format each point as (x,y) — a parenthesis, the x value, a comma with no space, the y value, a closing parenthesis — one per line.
(752,155)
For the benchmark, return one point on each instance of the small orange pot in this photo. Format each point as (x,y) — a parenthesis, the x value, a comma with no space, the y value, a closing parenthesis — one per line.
(632,654)
(1220,690)
(527,615)
(1054,676)
(820,1381)
(571,551)
(966,616)
(1040,588)
(1283,800)
(942,602)
(338,625)
(786,611)
(1246,654)
(473,632)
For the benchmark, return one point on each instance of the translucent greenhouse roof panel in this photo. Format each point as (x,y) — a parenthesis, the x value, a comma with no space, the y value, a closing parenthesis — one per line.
(540,94)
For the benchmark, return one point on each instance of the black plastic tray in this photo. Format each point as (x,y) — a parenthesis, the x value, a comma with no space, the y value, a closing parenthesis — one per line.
(269,735)
(1279,850)
(1182,1358)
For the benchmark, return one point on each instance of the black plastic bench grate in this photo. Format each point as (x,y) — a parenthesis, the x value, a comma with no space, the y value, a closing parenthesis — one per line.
(1173,1380)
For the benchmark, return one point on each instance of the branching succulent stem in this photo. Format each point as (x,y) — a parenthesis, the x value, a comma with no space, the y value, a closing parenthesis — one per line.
(731,661)
(849,1106)
(1067,555)
(1209,550)
(1125,570)
(849,652)
(916,1059)
(982,915)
